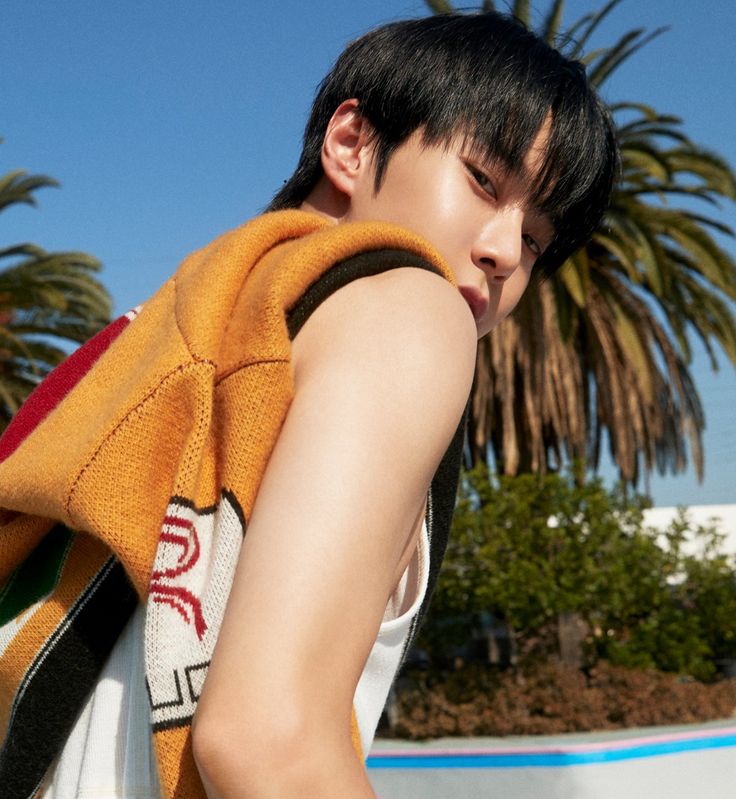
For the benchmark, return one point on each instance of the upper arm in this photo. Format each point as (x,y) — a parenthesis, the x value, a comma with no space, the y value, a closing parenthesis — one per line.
(382,372)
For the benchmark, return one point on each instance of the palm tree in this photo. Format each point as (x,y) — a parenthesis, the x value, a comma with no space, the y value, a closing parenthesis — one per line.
(605,346)
(47,300)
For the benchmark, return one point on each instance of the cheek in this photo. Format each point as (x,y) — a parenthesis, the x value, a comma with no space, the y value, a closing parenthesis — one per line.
(426,201)
(441,220)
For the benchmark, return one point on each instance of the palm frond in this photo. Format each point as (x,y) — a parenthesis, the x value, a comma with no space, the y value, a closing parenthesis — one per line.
(581,31)
(522,11)
(48,300)
(602,352)
(18,187)
(440,6)
(552,22)
(626,46)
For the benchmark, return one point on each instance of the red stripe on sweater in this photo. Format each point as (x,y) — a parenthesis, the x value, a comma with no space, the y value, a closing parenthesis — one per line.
(182,597)
(184,542)
(56,386)
(164,600)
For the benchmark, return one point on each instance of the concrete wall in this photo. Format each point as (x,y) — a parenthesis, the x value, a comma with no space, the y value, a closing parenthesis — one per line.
(693,762)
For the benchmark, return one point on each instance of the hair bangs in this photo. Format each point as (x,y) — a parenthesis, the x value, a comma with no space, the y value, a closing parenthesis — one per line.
(492,76)
(489,79)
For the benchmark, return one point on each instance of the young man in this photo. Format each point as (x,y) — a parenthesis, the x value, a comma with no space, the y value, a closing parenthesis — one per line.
(304,377)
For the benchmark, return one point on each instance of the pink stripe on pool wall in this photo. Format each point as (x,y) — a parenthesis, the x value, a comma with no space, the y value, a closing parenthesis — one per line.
(596,746)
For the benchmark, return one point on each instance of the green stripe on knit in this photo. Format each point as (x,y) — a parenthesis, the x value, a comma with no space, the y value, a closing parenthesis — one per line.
(37,576)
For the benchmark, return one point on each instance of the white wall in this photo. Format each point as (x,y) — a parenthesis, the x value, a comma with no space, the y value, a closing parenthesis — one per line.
(699,514)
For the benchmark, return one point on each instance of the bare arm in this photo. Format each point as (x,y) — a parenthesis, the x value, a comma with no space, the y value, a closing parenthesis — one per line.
(382,371)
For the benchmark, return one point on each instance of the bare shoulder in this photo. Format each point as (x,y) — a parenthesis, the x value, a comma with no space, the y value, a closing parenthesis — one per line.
(407,329)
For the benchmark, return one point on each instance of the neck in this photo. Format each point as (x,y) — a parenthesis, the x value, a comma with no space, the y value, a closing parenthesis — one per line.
(326,201)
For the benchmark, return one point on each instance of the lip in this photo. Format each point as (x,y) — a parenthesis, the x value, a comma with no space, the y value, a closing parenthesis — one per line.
(477,301)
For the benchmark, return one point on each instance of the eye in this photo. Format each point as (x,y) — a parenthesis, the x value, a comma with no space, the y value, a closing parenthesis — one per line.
(532,244)
(483,181)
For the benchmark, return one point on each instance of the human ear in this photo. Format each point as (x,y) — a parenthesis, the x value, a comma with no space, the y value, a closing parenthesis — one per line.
(346,151)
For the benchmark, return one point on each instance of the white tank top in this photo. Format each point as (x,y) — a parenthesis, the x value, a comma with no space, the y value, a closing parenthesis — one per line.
(109,752)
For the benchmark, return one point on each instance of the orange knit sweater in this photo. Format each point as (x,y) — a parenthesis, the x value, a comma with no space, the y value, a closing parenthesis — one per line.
(130,475)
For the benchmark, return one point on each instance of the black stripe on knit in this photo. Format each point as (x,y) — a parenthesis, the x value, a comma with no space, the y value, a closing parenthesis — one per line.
(441,500)
(343,272)
(207,510)
(60,678)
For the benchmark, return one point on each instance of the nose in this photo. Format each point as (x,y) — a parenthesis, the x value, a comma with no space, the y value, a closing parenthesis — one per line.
(497,249)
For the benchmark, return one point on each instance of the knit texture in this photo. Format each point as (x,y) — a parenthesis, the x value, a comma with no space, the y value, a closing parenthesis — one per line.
(131,472)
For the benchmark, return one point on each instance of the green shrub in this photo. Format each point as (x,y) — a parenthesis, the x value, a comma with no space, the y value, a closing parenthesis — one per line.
(534,550)
(550,698)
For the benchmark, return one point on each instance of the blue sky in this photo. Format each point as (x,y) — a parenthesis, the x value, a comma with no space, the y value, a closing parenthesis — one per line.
(168,122)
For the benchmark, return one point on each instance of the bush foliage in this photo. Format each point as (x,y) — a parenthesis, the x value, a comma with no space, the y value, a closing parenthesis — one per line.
(535,551)
(550,698)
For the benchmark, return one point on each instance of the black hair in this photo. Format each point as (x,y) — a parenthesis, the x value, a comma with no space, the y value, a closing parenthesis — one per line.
(487,77)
